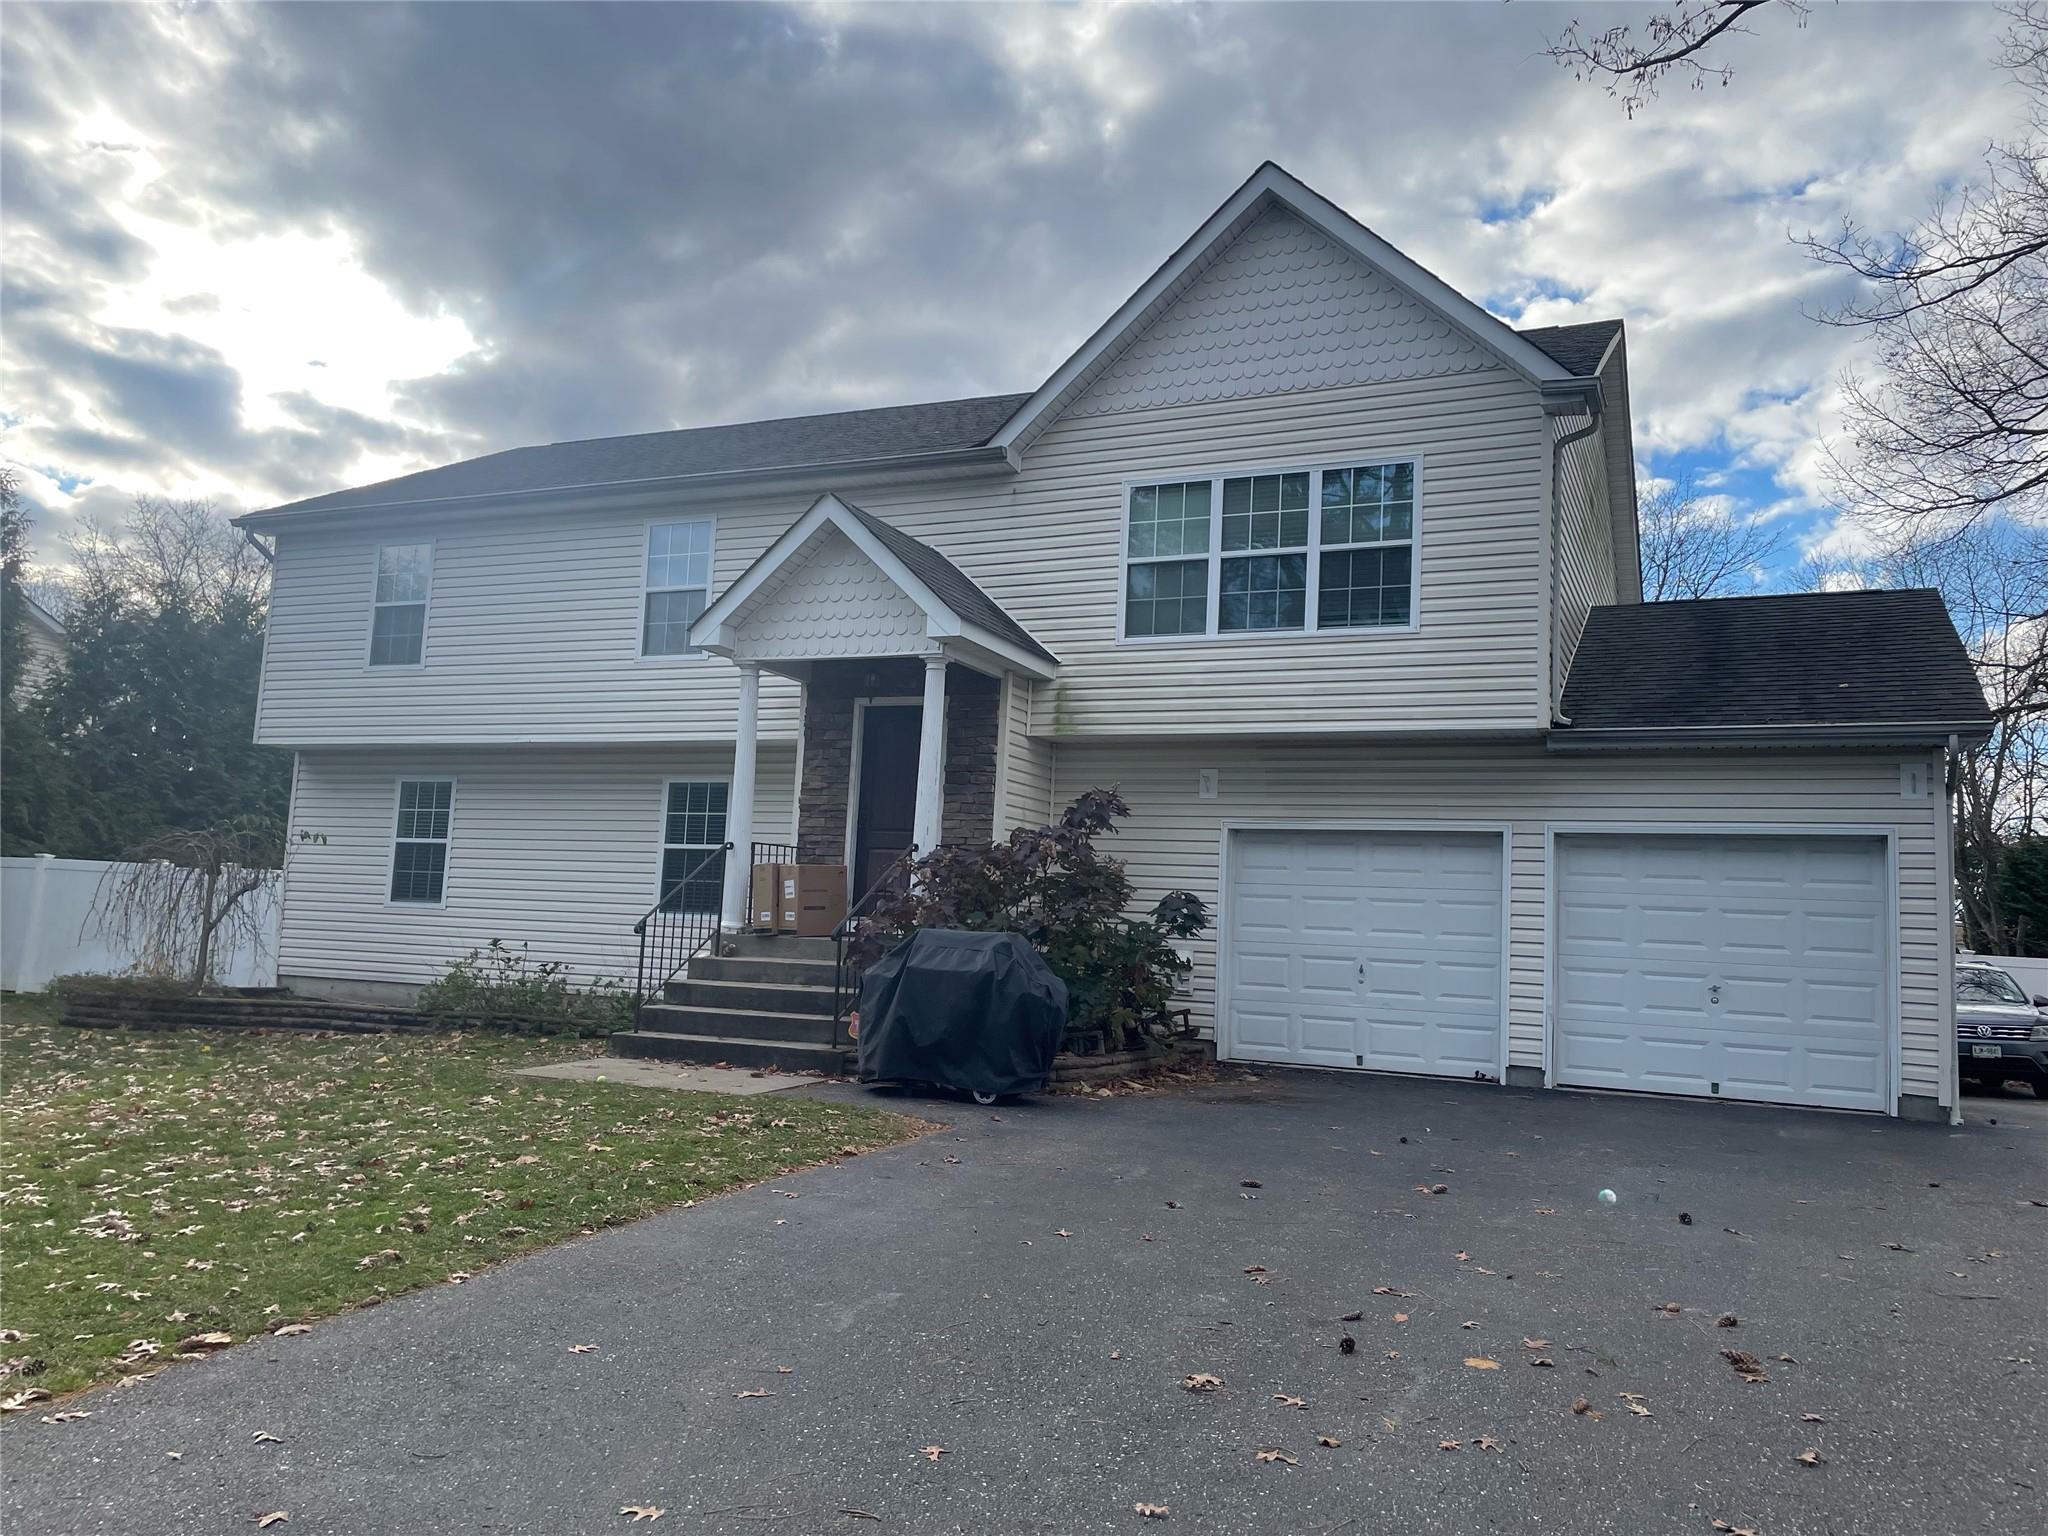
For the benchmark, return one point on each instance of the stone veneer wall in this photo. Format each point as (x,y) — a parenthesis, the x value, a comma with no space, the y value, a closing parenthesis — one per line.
(973,724)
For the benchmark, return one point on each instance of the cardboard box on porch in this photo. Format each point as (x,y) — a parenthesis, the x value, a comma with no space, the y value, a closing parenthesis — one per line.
(813,899)
(764,904)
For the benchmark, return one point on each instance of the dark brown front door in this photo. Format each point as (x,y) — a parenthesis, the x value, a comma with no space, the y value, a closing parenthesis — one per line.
(887,813)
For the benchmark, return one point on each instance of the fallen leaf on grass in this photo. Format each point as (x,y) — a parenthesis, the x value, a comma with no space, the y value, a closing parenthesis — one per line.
(1274,1455)
(1746,1365)
(1152,1511)
(22,1400)
(1482,1363)
(1810,1457)
(1328,1442)
(204,1341)
(639,1512)
(1201,1381)
(931,1452)
(1290,1402)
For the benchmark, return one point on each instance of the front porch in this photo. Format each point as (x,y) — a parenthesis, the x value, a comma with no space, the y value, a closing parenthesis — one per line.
(908,672)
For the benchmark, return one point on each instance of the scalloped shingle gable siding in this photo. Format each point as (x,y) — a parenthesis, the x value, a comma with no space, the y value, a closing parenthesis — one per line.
(1283,308)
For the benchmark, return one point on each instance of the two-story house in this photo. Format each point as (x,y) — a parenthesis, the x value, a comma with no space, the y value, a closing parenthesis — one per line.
(1331,571)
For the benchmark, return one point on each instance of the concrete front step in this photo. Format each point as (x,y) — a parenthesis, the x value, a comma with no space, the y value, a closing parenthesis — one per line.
(738,1023)
(775,972)
(753,996)
(778,946)
(722,1050)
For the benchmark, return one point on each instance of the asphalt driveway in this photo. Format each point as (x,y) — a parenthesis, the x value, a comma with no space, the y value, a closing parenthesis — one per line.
(1028,1290)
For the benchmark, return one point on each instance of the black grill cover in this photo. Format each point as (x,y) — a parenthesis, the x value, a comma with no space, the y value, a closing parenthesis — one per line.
(980,1012)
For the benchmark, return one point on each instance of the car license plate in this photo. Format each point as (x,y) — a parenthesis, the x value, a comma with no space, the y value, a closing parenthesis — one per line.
(1985,1050)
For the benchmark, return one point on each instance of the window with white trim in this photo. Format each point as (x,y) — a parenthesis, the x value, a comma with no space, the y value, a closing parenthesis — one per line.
(677,583)
(693,828)
(398,610)
(1286,551)
(419,842)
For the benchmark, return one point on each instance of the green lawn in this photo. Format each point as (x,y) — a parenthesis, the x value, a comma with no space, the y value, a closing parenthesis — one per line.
(159,1186)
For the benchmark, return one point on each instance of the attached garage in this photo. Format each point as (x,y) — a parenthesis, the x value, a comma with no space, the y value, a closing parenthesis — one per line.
(1382,949)
(1725,966)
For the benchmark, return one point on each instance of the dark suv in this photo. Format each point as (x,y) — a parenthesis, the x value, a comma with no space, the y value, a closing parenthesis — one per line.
(2000,1032)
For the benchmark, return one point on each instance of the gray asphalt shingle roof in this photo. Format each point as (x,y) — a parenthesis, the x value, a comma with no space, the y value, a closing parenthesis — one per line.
(951,585)
(788,442)
(1800,661)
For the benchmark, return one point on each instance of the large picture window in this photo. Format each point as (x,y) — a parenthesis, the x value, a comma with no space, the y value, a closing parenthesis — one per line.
(398,609)
(419,843)
(1287,551)
(692,828)
(677,586)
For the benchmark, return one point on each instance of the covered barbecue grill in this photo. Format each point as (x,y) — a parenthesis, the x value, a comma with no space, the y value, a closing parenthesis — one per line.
(978,1012)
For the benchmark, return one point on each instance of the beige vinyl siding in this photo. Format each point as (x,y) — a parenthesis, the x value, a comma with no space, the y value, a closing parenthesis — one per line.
(1584,540)
(533,627)
(1173,839)
(1024,769)
(556,849)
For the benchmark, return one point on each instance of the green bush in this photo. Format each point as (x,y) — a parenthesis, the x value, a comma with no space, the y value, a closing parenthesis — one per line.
(1053,886)
(501,981)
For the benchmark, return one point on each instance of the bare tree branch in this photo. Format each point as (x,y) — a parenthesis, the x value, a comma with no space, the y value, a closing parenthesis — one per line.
(1693,546)
(181,899)
(1676,39)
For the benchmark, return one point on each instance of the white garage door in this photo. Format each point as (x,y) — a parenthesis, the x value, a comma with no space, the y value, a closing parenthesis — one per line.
(1729,967)
(1366,949)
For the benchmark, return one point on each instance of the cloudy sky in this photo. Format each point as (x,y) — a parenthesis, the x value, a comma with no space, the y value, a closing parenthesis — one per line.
(258,252)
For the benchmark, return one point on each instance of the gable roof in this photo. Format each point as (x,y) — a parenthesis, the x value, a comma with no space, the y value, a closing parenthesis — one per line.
(1268,186)
(990,429)
(891,434)
(952,603)
(1840,666)
(1580,348)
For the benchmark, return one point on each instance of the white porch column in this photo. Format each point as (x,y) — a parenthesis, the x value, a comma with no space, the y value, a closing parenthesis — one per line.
(739,805)
(928,822)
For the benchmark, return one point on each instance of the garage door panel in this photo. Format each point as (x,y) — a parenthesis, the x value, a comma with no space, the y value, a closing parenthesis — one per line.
(1394,946)
(1766,979)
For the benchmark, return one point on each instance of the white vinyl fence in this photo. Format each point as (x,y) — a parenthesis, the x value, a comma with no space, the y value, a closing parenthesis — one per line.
(47,928)
(2031,974)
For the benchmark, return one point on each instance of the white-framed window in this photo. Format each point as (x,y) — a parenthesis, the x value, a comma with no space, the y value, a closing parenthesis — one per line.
(677,585)
(1275,551)
(692,828)
(398,606)
(419,842)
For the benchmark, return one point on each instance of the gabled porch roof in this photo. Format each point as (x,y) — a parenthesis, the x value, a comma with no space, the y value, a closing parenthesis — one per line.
(959,619)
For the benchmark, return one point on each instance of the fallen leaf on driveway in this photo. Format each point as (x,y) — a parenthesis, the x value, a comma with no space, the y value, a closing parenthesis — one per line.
(1640,1410)
(931,1452)
(1670,1307)
(1347,1345)
(1544,1361)
(65,1416)
(1432,1189)
(1468,1325)
(1463,1256)
(290,1330)
(1152,1511)
(1289,1402)
(1250,1184)
(1256,1269)
(1899,1248)
(640,1512)
(1747,1366)
(275,1517)
(1400,1317)
(1529,1343)
(1586,1410)
(754,1392)
(582,1349)
(1350,1317)
(1481,1363)
(1273,1455)
(265,1437)
(23,1400)
(1328,1442)
(1450,1445)
(1063,1232)
(199,1341)
(1811,1418)
(1388,1290)
(1201,1381)
(1487,1443)
(1810,1457)
(1733,1530)
(1727,1320)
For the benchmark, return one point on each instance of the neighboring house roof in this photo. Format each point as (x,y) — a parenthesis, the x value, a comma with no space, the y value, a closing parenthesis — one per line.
(991,428)
(1885,665)
(1581,348)
(42,619)
(952,603)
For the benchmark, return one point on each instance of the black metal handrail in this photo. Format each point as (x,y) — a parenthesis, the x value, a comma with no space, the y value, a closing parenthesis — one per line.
(671,936)
(773,853)
(845,977)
